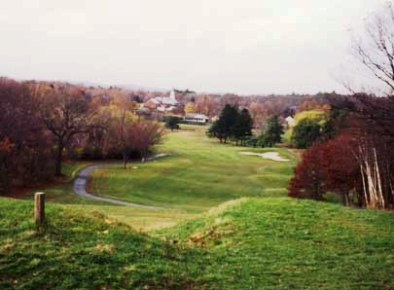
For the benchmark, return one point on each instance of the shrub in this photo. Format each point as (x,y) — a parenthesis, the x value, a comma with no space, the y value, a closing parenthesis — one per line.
(305,133)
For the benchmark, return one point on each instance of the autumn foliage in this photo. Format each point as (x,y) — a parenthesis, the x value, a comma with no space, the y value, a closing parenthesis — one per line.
(358,163)
(328,166)
(42,123)
(25,145)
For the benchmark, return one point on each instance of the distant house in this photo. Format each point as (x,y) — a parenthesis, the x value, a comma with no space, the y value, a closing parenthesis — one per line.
(290,121)
(162,104)
(214,118)
(194,118)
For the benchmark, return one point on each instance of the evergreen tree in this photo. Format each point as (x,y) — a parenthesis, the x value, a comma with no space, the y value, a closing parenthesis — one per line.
(243,127)
(223,128)
(306,133)
(172,123)
(273,132)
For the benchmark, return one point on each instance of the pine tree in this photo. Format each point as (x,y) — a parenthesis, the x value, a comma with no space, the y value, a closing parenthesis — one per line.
(273,132)
(223,128)
(243,127)
(172,123)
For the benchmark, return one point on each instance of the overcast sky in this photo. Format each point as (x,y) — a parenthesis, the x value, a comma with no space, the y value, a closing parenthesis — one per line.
(240,46)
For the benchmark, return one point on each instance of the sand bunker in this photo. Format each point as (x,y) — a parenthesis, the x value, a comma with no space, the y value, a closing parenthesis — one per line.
(268,155)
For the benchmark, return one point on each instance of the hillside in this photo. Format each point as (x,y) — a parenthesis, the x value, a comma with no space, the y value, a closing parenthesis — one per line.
(256,243)
(223,223)
(75,251)
(198,174)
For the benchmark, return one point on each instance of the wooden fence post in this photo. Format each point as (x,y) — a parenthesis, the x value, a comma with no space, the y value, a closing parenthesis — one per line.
(39,208)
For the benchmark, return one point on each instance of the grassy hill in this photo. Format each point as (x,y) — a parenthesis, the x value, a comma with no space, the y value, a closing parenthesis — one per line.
(279,243)
(274,243)
(198,174)
(74,251)
(225,223)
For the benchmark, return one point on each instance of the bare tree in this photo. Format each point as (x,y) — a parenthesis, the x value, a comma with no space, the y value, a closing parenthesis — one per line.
(65,113)
(145,134)
(376,50)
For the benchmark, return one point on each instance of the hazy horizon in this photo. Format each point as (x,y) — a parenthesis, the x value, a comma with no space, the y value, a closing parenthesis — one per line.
(252,47)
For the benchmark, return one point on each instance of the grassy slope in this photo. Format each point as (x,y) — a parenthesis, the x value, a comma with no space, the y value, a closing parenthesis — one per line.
(199,174)
(293,244)
(256,243)
(80,252)
(259,243)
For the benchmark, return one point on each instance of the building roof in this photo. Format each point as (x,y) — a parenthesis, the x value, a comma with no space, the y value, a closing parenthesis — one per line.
(168,101)
(195,115)
(164,101)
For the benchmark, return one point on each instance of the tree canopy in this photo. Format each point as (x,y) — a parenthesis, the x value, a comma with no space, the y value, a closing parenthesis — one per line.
(243,127)
(232,124)
(305,133)
(172,123)
(272,133)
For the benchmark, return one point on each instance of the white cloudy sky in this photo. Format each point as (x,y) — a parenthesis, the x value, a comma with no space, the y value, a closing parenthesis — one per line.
(241,46)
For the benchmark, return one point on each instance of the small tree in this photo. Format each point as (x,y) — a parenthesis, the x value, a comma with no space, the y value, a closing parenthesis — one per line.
(243,127)
(172,123)
(308,176)
(319,171)
(305,133)
(223,128)
(273,132)
(190,107)
(142,136)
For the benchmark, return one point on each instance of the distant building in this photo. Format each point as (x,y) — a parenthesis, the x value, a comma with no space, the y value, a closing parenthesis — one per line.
(290,121)
(194,118)
(214,118)
(162,104)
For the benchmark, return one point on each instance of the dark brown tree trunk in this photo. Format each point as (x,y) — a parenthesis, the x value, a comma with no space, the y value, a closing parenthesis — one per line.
(345,198)
(125,160)
(58,163)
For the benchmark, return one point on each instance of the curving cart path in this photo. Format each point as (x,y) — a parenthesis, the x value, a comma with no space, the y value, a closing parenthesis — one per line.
(81,180)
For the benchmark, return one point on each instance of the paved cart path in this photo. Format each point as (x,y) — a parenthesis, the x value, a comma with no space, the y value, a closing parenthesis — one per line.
(81,181)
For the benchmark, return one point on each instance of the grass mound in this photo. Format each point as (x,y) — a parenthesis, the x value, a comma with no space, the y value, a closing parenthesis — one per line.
(74,251)
(255,243)
(281,243)
(245,234)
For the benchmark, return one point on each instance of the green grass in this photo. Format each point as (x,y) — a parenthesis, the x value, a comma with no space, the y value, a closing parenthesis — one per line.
(198,174)
(257,243)
(295,244)
(225,224)
(70,169)
(74,251)
(61,190)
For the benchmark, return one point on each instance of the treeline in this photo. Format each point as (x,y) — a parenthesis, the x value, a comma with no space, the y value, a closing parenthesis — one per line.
(354,158)
(232,124)
(236,125)
(41,123)
(349,142)
(261,108)
(296,126)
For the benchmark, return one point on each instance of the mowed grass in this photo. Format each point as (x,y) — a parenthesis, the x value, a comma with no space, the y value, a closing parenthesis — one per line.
(198,174)
(282,243)
(251,243)
(77,251)
(204,237)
